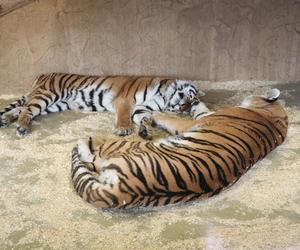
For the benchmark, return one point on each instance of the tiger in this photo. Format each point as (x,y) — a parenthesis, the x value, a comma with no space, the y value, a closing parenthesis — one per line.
(197,160)
(131,98)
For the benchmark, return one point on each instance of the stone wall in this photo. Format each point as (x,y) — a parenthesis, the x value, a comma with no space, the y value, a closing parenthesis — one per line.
(213,40)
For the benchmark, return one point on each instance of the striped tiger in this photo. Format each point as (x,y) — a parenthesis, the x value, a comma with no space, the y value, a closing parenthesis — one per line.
(129,97)
(199,159)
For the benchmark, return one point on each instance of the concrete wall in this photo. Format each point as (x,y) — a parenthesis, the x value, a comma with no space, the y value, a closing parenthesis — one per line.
(196,39)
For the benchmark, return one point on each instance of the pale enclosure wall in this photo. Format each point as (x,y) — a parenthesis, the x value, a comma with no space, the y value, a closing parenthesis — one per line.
(213,40)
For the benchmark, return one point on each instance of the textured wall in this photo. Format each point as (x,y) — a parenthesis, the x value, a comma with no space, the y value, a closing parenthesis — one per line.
(203,39)
(7,6)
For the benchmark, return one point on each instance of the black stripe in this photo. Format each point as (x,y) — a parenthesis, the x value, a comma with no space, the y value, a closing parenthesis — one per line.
(79,180)
(71,85)
(221,174)
(186,167)
(177,145)
(139,111)
(83,98)
(75,168)
(145,93)
(91,103)
(61,81)
(42,98)
(102,81)
(202,113)
(179,181)
(101,198)
(258,145)
(112,197)
(86,182)
(270,125)
(232,140)
(134,98)
(202,180)
(130,192)
(149,108)
(137,172)
(63,88)
(167,201)
(83,82)
(218,146)
(261,137)
(171,150)
(111,144)
(159,175)
(36,106)
(117,168)
(217,191)
(100,99)
(159,108)
(131,85)
(68,107)
(58,107)
(256,122)
(176,174)
(52,88)
(207,131)
(161,83)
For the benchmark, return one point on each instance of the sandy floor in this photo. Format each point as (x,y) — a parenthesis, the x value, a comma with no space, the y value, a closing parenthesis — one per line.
(39,208)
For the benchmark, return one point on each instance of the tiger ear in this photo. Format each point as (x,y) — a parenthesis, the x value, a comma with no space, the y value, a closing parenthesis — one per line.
(272,95)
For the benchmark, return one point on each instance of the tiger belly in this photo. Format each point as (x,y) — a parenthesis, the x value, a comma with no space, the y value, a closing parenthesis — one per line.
(90,99)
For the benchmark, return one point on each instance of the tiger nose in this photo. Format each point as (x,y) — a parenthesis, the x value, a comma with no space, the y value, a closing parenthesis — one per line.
(180,95)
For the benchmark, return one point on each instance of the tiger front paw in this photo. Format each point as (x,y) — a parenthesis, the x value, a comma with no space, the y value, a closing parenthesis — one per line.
(22,131)
(145,128)
(4,122)
(123,131)
(109,177)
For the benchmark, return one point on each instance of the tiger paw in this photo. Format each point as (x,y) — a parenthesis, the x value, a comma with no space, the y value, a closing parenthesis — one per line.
(144,129)
(109,177)
(144,133)
(21,131)
(123,131)
(3,122)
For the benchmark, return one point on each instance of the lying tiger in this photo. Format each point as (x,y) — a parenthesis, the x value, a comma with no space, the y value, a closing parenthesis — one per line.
(202,157)
(129,97)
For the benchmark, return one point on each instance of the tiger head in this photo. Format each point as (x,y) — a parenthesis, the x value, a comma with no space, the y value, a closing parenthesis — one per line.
(180,95)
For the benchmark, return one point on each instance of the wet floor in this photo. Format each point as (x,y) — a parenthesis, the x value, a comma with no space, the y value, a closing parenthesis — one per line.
(39,209)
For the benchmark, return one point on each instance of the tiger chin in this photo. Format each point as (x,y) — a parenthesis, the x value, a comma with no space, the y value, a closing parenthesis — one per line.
(200,158)
(131,98)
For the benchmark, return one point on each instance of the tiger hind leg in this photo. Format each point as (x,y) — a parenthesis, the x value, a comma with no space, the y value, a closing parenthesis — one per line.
(38,105)
(12,112)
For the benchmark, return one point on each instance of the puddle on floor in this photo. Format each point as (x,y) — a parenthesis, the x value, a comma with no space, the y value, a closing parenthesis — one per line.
(39,208)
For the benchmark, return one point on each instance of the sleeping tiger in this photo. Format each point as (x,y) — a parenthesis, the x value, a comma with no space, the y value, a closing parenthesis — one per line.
(129,97)
(201,158)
